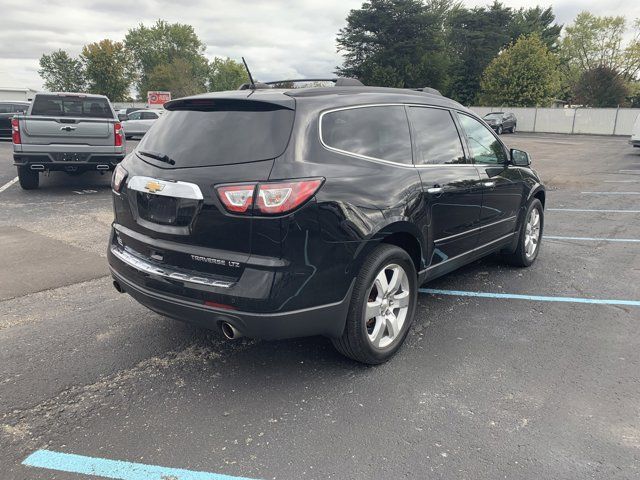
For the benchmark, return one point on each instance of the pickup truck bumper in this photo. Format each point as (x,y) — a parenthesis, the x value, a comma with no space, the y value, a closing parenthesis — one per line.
(67,161)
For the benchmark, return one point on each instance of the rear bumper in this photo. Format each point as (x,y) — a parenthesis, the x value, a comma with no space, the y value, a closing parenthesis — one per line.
(327,320)
(65,162)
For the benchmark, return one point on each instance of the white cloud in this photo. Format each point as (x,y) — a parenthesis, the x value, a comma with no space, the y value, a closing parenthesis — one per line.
(279,38)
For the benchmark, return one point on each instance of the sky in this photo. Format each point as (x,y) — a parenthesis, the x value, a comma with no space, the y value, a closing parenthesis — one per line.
(279,38)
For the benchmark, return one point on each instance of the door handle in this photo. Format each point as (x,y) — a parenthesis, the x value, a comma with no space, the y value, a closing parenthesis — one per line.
(489,184)
(434,190)
(67,128)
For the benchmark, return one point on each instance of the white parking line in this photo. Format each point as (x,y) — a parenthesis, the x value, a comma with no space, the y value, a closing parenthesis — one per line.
(633,172)
(592,239)
(610,193)
(621,181)
(589,210)
(8,184)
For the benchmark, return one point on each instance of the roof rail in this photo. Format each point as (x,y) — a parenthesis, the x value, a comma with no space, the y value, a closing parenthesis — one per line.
(254,86)
(339,81)
(433,91)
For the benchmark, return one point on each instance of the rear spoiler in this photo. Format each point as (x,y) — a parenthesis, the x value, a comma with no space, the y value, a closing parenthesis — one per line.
(213,104)
(338,81)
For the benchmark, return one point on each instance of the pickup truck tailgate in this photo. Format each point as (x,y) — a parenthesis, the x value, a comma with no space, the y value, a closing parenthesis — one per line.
(60,130)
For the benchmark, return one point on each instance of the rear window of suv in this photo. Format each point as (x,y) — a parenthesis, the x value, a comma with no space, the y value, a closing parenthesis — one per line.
(71,106)
(219,132)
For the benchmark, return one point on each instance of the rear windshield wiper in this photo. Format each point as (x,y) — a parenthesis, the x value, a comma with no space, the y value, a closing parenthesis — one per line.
(158,156)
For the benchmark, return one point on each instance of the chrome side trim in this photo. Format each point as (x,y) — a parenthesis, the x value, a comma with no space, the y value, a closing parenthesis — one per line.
(474,229)
(146,267)
(169,189)
(472,250)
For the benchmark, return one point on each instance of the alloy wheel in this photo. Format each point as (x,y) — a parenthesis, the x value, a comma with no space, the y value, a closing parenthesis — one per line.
(532,233)
(387,306)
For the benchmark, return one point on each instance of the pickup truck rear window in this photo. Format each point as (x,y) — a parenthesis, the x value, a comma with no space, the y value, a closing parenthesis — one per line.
(71,106)
(228,132)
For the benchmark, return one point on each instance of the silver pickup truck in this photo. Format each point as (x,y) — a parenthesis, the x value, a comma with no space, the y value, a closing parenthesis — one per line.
(66,132)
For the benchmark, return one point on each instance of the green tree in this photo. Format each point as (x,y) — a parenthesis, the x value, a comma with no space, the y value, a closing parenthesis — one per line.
(601,87)
(396,43)
(162,44)
(475,38)
(536,20)
(524,75)
(62,73)
(593,42)
(176,77)
(108,69)
(226,74)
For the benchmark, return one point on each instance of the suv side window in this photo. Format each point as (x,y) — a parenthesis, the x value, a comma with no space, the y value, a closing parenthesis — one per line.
(134,116)
(484,146)
(148,116)
(380,132)
(435,136)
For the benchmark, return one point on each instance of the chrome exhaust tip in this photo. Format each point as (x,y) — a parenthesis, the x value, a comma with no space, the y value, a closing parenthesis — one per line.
(37,167)
(230,332)
(102,167)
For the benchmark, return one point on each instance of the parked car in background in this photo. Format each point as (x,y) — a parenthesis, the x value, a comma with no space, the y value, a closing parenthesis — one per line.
(7,111)
(501,122)
(67,132)
(635,134)
(139,122)
(276,213)
(124,112)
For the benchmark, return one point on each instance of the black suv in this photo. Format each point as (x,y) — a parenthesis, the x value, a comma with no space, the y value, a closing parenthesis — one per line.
(276,213)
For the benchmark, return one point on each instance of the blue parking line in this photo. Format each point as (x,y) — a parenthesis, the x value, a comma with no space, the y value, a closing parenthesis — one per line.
(591,239)
(589,210)
(116,469)
(536,298)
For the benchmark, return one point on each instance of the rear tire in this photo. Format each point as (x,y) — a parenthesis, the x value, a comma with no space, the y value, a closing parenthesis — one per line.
(513,129)
(29,179)
(529,238)
(499,131)
(382,306)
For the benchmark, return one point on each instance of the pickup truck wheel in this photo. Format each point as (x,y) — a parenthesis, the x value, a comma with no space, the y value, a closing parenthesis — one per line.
(529,238)
(29,179)
(382,306)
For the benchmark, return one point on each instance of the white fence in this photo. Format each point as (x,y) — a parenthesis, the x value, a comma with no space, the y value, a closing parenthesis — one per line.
(596,121)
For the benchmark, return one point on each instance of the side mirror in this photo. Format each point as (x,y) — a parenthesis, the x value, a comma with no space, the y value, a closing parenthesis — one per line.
(520,158)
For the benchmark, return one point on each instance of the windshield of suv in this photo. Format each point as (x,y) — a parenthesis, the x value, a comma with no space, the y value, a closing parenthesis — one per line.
(493,116)
(71,106)
(221,133)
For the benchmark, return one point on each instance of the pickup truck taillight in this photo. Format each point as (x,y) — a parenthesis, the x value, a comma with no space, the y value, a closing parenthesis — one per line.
(117,133)
(15,131)
(268,198)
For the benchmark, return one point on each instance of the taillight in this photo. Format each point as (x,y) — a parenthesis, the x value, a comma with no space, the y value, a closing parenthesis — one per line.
(119,174)
(237,198)
(15,131)
(278,198)
(117,133)
(268,198)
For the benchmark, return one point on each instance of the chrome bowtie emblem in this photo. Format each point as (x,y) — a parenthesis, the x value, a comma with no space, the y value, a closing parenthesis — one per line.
(154,187)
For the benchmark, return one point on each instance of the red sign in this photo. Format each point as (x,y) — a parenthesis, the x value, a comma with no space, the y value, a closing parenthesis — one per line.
(157,99)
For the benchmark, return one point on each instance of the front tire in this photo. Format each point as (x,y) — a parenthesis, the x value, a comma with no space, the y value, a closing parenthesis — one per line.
(529,238)
(499,131)
(29,179)
(382,306)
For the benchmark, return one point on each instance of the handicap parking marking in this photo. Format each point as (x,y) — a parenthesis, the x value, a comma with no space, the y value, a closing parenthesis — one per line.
(115,469)
(592,239)
(588,210)
(8,184)
(536,298)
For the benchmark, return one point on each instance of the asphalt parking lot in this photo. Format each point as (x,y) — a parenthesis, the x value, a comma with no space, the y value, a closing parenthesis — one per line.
(539,378)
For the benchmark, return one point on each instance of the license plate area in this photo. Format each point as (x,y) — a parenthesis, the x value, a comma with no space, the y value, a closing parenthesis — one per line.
(163,210)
